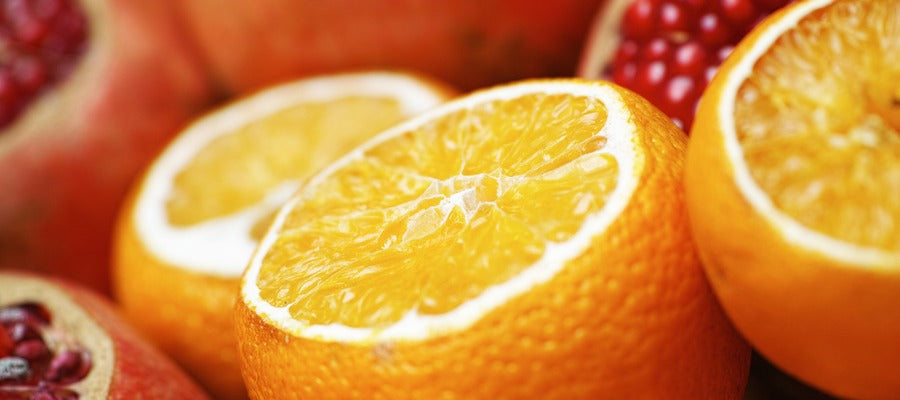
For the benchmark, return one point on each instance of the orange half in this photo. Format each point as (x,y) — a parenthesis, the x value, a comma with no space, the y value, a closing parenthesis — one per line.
(527,241)
(793,183)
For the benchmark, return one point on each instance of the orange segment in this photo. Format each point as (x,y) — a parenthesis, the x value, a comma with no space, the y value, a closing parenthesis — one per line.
(819,100)
(793,183)
(192,223)
(525,241)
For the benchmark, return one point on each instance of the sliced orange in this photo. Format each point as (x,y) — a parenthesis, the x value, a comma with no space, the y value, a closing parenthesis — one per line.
(793,184)
(528,241)
(192,223)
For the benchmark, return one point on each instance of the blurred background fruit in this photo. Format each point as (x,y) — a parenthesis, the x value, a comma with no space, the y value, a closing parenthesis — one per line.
(89,91)
(467,43)
(793,182)
(668,50)
(59,341)
(198,213)
(526,241)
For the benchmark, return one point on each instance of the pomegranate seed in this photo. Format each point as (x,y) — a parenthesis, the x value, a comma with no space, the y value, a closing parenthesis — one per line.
(8,90)
(674,18)
(46,9)
(657,49)
(639,19)
(724,52)
(690,59)
(29,73)
(21,331)
(710,73)
(6,343)
(627,52)
(62,365)
(32,349)
(712,31)
(43,395)
(625,75)
(650,78)
(678,97)
(26,312)
(13,368)
(739,12)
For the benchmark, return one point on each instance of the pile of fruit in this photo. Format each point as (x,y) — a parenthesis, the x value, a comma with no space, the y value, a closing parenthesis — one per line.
(579,199)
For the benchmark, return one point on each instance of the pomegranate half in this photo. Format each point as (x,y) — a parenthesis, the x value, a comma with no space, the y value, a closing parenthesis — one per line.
(89,91)
(668,50)
(60,341)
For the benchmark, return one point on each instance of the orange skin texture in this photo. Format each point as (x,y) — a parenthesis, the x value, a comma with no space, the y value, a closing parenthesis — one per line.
(67,170)
(831,324)
(468,43)
(140,371)
(633,318)
(188,315)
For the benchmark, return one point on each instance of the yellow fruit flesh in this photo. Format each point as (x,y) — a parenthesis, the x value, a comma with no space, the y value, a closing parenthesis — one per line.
(431,218)
(818,123)
(238,169)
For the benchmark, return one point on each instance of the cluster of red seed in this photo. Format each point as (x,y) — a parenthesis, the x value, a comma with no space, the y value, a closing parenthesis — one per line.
(29,369)
(41,42)
(670,49)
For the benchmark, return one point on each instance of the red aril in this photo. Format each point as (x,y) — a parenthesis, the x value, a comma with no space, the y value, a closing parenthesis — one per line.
(668,50)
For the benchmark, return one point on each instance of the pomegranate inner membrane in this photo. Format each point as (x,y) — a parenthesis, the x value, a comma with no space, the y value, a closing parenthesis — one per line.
(37,361)
(670,49)
(41,41)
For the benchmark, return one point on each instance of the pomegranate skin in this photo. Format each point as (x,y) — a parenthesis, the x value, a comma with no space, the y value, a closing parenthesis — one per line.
(467,43)
(68,159)
(139,371)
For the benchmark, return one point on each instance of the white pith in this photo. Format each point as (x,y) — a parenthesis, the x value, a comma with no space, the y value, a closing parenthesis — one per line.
(619,132)
(222,246)
(794,232)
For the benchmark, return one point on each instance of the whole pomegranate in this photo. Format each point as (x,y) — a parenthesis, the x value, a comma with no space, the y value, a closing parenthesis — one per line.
(668,50)
(467,43)
(89,91)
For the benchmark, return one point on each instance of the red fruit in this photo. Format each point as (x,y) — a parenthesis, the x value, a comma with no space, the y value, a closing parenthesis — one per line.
(698,34)
(467,43)
(83,350)
(89,91)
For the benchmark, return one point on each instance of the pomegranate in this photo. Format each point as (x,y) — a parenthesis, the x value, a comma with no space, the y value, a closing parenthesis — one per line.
(61,342)
(43,42)
(89,91)
(668,50)
(467,43)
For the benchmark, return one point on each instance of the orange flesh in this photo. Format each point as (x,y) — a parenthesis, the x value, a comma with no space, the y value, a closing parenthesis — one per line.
(430,218)
(828,155)
(238,169)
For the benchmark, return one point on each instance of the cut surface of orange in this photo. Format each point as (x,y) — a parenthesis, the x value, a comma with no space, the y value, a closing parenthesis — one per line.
(192,223)
(526,241)
(793,185)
